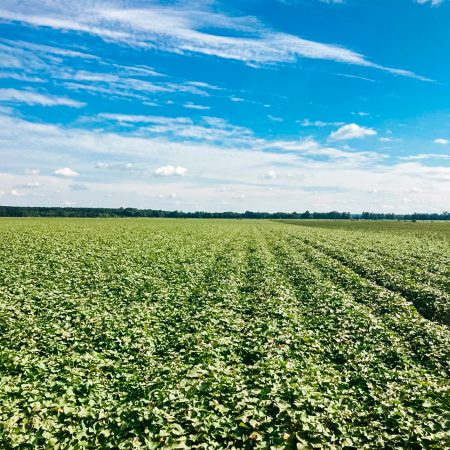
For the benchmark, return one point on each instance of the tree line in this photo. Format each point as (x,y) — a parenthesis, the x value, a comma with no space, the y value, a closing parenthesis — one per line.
(40,211)
(413,217)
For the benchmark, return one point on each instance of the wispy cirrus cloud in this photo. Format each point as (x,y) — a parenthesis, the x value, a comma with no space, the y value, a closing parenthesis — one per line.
(222,133)
(123,86)
(319,123)
(180,28)
(28,57)
(422,156)
(200,129)
(431,2)
(191,105)
(48,49)
(139,119)
(20,77)
(309,148)
(84,73)
(36,98)
(422,2)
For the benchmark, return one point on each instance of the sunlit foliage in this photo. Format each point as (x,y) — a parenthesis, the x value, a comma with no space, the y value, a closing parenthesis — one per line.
(160,333)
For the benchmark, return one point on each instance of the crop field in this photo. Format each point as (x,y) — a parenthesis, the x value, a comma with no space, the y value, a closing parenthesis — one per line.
(224,334)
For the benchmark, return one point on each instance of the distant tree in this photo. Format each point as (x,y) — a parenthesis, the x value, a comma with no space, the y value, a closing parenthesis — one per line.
(306,215)
(37,211)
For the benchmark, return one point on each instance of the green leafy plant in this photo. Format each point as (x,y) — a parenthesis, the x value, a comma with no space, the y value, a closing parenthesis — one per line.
(216,334)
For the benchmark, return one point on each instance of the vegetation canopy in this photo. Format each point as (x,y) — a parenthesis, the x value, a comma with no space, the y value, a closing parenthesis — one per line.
(40,211)
(224,334)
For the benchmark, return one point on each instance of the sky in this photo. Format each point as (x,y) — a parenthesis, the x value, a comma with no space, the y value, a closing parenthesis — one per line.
(261,105)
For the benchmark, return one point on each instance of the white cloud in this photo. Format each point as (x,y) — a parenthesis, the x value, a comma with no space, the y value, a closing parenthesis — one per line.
(181,29)
(356,77)
(32,171)
(421,156)
(191,105)
(239,196)
(275,118)
(130,118)
(20,77)
(166,171)
(127,167)
(351,131)
(171,196)
(102,165)
(417,170)
(431,2)
(270,175)
(116,84)
(30,185)
(8,61)
(203,128)
(139,70)
(90,76)
(300,166)
(35,98)
(202,84)
(46,49)
(17,193)
(389,139)
(441,141)
(310,149)
(319,123)
(66,172)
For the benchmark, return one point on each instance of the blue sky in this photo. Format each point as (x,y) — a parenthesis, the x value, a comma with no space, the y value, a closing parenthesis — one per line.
(239,105)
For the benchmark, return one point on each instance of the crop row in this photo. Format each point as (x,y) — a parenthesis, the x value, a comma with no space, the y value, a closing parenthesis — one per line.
(417,268)
(209,334)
